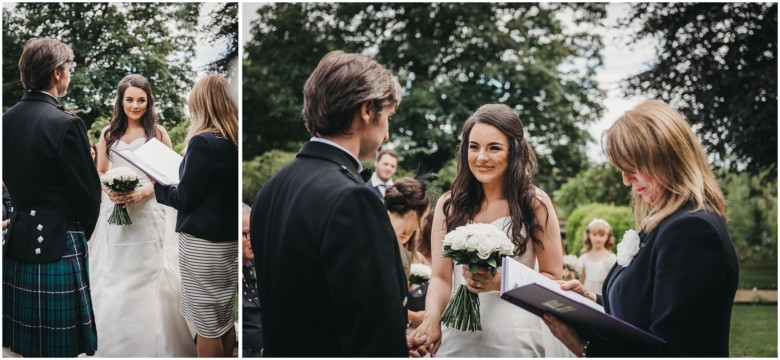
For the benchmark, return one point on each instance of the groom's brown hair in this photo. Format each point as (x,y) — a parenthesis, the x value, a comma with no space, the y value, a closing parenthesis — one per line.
(339,85)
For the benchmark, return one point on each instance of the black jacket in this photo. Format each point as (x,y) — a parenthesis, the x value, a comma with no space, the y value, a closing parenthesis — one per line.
(50,176)
(207,195)
(328,267)
(680,287)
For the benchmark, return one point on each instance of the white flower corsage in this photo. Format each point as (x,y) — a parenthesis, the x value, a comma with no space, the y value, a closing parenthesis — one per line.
(627,248)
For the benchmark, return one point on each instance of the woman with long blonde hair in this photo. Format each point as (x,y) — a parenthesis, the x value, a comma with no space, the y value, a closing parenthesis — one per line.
(207,221)
(678,276)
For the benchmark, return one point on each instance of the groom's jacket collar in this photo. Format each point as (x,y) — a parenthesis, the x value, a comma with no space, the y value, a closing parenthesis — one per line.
(348,164)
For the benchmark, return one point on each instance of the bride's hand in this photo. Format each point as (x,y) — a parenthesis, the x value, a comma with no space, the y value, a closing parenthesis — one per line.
(576,286)
(116,197)
(431,329)
(483,281)
(137,195)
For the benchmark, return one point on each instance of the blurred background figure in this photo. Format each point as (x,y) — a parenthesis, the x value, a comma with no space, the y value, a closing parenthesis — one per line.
(252,333)
(386,164)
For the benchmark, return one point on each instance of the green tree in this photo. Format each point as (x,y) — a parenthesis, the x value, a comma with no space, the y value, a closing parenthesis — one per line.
(717,62)
(752,216)
(450,58)
(259,170)
(224,28)
(110,41)
(598,184)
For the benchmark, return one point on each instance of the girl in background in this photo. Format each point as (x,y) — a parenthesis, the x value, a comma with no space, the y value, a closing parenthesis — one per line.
(597,258)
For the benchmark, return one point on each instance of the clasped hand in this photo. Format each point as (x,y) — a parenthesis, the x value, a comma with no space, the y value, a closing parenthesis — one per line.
(130,197)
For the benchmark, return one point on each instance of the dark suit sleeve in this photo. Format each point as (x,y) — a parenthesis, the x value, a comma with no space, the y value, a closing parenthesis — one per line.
(195,178)
(361,269)
(80,174)
(689,271)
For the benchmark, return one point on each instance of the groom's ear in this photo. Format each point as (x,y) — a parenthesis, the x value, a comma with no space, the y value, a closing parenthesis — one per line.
(363,115)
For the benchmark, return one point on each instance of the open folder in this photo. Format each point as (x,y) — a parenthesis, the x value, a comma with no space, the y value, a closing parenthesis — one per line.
(536,293)
(156,160)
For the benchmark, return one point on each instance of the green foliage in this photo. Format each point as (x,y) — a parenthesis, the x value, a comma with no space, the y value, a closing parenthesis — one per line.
(716,62)
(259,170)
(450,59)
(597,184)
(110,41)
(224,26)
(619,217)
(177,134)
(761,276)
(753,331)
(752,215)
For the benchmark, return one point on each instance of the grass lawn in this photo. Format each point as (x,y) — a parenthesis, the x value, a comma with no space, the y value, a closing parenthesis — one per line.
(753,331)
(760,276)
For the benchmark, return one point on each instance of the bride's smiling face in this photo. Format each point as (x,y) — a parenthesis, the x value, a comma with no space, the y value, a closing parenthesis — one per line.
(488,153)
(134,103)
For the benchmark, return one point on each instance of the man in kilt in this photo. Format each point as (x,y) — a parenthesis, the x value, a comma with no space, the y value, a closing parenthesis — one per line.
(55,191)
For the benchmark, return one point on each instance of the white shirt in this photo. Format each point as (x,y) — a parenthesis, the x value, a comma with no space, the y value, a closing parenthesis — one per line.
(331,143)
(376,181)
(47,93)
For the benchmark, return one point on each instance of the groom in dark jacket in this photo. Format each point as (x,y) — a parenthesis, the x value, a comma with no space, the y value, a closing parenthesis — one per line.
(55,191)
(328,266)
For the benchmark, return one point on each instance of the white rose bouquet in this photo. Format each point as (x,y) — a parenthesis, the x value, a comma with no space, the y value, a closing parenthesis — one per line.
(474,245)
(420,274)
(572,262)
(120,179)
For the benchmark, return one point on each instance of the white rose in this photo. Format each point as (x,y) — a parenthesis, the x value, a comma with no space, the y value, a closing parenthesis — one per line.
(627,248)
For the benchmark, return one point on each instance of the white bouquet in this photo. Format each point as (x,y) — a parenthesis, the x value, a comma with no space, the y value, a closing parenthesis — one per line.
(572,262)
(420,274)
(120,179)
(474,245)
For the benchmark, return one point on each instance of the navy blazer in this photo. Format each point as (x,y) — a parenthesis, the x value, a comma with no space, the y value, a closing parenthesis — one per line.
(207,195)
(680,287)
(50,176)
(328,266)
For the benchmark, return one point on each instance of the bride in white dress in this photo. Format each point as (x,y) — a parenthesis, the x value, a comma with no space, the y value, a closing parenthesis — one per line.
(493,186)
(134,268)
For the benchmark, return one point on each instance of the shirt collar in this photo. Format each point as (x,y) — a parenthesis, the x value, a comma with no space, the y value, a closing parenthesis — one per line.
(331,143)
(47,93)
(375,181)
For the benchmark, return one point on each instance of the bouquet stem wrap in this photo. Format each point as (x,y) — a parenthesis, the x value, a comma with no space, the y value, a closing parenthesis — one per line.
(120,179)
(476,245)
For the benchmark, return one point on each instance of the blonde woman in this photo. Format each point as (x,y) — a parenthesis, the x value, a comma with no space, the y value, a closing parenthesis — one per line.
(679,278)
(207,221)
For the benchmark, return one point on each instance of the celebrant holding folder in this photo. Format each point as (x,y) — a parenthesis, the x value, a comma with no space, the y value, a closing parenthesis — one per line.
(677,277)
(207,200)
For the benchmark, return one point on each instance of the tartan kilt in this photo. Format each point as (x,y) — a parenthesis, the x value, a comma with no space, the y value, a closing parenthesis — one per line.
(47,308)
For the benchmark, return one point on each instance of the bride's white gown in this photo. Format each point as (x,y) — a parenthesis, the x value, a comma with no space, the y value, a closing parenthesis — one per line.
(135,280)
(507,330)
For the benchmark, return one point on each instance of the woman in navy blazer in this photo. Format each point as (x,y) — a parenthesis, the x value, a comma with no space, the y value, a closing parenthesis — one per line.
(207,199)
(679,282)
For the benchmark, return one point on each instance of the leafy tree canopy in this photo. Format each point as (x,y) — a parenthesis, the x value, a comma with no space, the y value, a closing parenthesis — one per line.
(450,58)
(224,27)
(110,41)
(718,64)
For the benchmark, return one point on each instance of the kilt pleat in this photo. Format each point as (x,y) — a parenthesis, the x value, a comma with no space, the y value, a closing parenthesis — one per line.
(47,308)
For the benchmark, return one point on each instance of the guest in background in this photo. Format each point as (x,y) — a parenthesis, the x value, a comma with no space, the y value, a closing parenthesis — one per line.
(677,278)
(407,203)
(252,332)
(597,258)
(424,239)
(386,164)
(47,306)
(206,200)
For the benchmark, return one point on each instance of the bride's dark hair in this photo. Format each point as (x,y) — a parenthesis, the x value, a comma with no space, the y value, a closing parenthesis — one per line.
(467,195)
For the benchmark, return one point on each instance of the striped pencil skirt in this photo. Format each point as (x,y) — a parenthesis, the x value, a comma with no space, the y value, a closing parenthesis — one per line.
(209,283)
(47,308)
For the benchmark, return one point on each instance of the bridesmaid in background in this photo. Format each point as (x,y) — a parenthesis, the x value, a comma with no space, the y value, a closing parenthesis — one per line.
(207,221)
